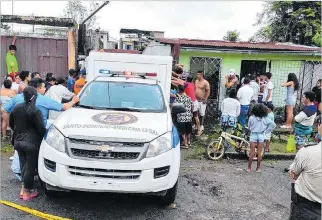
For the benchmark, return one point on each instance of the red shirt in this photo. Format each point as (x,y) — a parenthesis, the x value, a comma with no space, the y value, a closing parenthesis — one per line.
(190,91)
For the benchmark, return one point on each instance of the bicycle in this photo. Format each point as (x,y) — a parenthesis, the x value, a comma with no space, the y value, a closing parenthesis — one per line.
(231,137)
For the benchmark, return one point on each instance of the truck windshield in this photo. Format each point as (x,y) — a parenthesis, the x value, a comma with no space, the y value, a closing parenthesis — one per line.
(123,96)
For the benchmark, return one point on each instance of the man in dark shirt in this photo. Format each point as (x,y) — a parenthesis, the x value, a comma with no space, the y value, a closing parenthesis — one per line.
(317,90)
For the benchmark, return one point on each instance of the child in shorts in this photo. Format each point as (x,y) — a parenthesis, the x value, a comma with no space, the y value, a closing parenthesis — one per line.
(271,116)
(259,125)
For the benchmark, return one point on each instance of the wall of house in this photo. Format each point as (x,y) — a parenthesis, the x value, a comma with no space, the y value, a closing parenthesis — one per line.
(38,55)
(281,65)
(155,48)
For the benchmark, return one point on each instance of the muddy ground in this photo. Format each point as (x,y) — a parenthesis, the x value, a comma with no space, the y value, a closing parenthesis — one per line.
(207,190)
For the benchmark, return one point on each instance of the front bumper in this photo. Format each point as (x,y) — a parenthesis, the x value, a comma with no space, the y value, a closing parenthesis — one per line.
(145,183)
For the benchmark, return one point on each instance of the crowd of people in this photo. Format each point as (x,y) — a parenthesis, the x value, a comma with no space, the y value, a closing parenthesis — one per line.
(250,103)
(27,103)
(194,97)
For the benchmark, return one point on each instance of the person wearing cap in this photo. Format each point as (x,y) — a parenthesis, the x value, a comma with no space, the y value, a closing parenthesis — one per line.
(231,81)
(79,84)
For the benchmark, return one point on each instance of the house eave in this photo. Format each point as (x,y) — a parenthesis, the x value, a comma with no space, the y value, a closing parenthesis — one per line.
(244,51)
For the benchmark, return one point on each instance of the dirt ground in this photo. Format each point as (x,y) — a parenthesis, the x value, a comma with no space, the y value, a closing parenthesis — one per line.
(207,190)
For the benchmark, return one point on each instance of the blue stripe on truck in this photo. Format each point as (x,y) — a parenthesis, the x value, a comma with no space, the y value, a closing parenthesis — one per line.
(175,137)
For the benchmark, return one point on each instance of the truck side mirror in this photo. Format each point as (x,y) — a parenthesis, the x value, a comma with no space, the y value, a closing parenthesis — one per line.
(178,108)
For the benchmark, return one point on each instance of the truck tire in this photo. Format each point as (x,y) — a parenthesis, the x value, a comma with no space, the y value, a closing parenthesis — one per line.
(170,195)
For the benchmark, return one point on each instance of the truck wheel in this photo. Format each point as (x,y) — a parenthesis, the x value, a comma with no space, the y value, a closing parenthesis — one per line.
(170,196)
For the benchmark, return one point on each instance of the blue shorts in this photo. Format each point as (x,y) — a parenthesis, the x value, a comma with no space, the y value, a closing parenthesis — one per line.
(290,102)
(300,139)
(257,137)
(227,120)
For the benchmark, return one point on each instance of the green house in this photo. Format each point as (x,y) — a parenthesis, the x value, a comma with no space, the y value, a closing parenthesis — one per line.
(216,58)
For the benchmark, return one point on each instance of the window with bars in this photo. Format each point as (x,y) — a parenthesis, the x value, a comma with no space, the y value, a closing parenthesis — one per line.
(211,67)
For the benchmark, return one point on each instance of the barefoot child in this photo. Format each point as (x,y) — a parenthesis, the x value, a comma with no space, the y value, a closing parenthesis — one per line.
(259,125)
(270,115)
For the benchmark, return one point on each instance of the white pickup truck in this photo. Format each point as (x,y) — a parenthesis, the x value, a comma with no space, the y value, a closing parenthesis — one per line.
(120,137)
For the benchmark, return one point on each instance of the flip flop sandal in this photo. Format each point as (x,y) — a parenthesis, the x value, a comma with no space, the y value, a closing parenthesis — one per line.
(184,147)
(32,196)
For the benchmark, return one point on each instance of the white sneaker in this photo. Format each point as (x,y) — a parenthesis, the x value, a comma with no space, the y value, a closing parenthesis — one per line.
(202,128)
(11,158)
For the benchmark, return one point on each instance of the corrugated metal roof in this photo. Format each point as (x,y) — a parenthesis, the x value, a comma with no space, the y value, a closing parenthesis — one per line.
(122,51)
(238,45)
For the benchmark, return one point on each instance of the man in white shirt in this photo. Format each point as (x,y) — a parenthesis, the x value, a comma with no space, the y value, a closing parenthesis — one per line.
(58,93)
(244,95)
(307,189)
(268,89)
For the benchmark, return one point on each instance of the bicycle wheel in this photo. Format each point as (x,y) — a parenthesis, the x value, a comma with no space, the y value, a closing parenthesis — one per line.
(215,150)
(247,152)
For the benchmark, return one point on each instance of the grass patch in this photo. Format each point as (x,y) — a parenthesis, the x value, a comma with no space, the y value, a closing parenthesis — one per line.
(278,146)
(197,152)
(6,148)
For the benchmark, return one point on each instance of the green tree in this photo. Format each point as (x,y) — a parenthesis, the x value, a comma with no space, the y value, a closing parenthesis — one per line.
(290,21)
(232,36)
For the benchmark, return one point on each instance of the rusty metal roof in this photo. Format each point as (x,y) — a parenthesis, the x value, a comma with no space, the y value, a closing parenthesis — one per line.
(238,45)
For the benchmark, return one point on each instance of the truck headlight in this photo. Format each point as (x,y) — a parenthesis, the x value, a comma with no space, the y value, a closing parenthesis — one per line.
(55,139)
(160,145)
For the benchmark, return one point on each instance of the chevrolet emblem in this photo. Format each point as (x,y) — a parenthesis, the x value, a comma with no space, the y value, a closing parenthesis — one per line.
(105,148)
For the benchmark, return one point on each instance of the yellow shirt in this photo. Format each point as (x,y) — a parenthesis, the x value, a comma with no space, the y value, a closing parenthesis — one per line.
(11,61)
(79,84)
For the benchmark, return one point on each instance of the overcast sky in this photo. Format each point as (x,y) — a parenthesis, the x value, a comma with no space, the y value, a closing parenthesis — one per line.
(182,19)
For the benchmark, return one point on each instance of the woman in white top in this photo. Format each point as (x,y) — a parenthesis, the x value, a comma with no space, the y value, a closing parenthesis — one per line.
(5,95)
(230,110)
